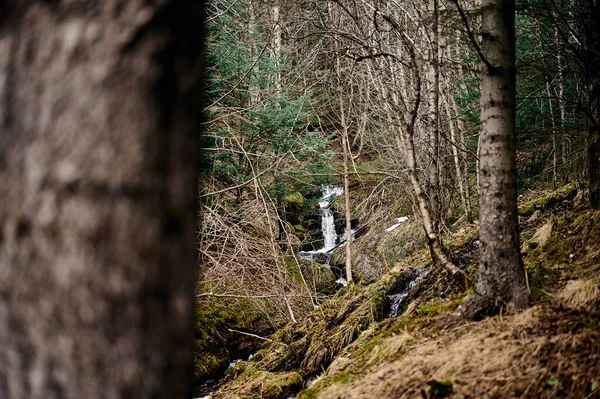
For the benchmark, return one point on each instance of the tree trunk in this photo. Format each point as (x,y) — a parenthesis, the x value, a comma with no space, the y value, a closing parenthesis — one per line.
(99,115)
(502,281)
(434,125)
(346,151)
(457,163)
(561,103)
(591,15)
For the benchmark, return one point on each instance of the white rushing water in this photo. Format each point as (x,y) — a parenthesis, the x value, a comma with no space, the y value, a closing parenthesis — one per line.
(397,300)
(327,226)
(327,221)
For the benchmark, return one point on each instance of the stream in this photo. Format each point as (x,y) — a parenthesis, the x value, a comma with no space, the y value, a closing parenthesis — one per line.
(396,303)
(330,235)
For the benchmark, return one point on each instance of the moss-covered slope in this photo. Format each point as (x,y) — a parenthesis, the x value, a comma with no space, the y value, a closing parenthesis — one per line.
(550,350)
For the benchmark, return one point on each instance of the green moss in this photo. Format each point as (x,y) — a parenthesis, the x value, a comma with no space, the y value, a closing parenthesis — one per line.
(438,307)
(207,364)
(213,340)
(538,294)
(294,198)
(563,193)
(280,385)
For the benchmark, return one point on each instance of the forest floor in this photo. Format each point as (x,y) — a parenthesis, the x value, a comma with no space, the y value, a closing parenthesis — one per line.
(349,349)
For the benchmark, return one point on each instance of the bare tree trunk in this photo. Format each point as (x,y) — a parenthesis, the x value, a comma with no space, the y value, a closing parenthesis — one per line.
(502,281)
(253,88)
(276,42)
(345,145)
(434,122)
(457,163)
(435,247)
(561,104)
(554,152)
(347,206)
(98,217)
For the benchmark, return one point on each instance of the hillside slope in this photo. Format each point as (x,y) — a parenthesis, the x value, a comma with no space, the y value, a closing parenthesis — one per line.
(351,348)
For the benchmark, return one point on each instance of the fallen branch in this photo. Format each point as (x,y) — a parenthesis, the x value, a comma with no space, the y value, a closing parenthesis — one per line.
(254,336)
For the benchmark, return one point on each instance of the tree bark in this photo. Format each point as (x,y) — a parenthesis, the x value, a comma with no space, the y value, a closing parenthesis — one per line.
(346,150)
(457,163)
(502,281)
(99,114)
(591,59)
(434,125)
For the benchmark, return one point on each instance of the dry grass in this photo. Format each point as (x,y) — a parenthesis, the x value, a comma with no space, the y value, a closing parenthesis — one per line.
(505,357)
(578,294)
(390,348)
(542,235)
(330,343)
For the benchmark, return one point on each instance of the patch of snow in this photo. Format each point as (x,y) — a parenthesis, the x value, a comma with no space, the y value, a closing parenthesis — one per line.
(400,220)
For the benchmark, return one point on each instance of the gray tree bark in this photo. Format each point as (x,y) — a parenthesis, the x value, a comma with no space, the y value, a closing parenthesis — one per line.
(590,11)
(98,118)
(434,123)
(502,281)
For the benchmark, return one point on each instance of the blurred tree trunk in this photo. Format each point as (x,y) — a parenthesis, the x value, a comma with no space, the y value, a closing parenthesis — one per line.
(501,273)
(99,114)
(590,14)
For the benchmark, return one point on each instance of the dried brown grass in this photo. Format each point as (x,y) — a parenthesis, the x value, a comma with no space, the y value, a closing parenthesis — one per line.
(578,294)
(496,358)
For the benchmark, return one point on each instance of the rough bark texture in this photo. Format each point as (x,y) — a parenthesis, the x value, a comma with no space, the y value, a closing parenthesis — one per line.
(502,280)
(98,115)
(434,123)
(591,61)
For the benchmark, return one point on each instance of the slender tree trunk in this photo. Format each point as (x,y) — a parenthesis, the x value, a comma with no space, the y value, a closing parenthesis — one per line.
(554,150)
(561,104)
(346,150)
(276,44)
(434,125)
(98,217)
(253,88)
(502,280)
(433,241)
(457,164)
(347,206)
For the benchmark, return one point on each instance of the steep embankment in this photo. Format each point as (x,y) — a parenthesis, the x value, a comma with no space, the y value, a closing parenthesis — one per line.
(354,350)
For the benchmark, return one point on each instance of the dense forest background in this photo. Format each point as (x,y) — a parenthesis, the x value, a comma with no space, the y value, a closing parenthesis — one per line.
(382,98)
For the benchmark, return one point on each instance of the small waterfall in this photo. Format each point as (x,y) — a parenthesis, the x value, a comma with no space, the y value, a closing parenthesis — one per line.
(330,236)
(397,301)
(327,221)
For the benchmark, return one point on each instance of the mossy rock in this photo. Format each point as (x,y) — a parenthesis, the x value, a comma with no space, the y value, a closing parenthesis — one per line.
(564,193)
(317,276)
(280,385)
(438,307)
(264,385)
(298,228)
(207,364)
(294,198)
(214,342)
